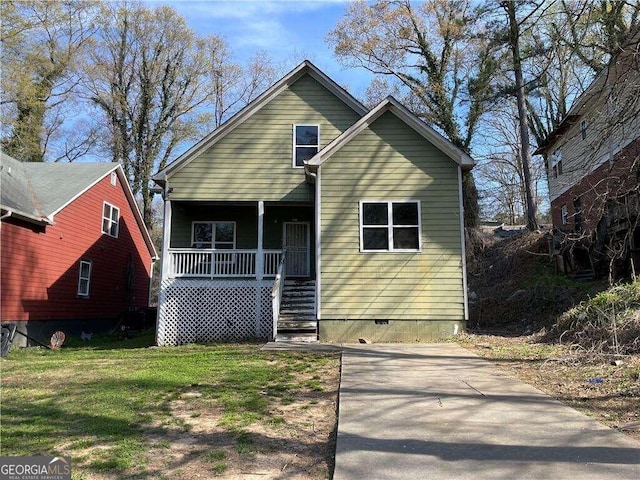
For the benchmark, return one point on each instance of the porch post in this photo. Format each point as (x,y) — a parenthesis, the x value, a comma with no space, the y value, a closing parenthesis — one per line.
(259,267)
(259,252)
(166,237)
(165,270)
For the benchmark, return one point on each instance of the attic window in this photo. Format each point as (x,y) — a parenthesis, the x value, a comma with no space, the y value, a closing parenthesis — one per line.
(556,163)
(114,178)
(583,129)
(390,226)
(110,220)
(306,143)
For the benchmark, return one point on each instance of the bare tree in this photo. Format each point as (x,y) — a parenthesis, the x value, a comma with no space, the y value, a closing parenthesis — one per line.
(597,30)
(158,85)
(515,26)
(427,49)
(42,43)
(500,170)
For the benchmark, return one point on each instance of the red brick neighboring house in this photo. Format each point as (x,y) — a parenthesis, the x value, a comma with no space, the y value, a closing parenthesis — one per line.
(75,254)
(593,167)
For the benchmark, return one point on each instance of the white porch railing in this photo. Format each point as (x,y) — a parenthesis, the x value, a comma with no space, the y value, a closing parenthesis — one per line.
(199,263)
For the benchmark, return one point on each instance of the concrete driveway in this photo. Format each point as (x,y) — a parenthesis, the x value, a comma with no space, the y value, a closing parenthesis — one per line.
(440,412)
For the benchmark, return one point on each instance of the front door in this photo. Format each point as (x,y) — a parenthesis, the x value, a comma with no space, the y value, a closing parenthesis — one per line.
(296,244)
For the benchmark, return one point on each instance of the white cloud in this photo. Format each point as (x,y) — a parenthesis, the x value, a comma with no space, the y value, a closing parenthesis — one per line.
(252,24)
(287,30)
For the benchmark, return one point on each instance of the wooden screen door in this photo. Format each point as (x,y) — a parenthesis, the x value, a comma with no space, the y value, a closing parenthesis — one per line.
(296,243)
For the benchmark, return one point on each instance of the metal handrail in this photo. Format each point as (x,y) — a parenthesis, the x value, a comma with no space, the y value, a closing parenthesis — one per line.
(276,292)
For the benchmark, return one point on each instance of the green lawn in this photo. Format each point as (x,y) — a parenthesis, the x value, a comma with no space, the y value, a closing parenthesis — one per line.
(100,402)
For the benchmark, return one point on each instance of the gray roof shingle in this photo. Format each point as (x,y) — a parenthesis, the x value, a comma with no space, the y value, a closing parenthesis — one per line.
(39,190)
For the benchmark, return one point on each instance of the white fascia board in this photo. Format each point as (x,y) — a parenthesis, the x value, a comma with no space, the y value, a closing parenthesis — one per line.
(391,104)
(27,217)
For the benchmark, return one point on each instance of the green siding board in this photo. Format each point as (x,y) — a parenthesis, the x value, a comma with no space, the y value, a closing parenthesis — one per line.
(253,162)
(389,161)
(395,331)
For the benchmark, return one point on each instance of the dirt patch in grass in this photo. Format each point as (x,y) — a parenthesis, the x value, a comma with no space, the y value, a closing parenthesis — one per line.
(604,387)
(295,441)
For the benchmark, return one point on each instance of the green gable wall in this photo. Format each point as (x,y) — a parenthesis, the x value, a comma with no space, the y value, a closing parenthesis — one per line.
(254,161)
(390,161)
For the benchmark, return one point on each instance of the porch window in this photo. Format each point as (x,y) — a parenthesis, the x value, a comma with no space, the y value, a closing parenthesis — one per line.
(110,219)
(216,235)
(306,143)
(390,226)
(84,278)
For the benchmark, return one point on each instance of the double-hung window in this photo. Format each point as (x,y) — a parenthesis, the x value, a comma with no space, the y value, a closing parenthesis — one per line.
(556,163)
(84,278)
(216,235)
(390,226)
(564,214)
(110,219)
(306,143)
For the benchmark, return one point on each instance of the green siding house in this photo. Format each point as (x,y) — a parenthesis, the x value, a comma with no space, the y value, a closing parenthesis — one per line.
(306,216)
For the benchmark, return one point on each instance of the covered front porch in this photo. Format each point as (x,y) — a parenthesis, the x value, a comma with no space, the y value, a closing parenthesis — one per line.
(239,240)
(225,265)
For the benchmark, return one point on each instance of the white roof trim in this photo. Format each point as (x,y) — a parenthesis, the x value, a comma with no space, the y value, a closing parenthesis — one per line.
(392,105)
(27,217)
(268,95)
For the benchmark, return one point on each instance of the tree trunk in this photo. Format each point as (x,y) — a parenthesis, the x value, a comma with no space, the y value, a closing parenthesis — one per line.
(514,44)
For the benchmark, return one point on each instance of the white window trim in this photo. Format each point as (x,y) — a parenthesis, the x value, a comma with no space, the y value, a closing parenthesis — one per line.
(117,223)
(564,214)
(114,179)
(213,222)
(390,225)
(293,151)
(87,278)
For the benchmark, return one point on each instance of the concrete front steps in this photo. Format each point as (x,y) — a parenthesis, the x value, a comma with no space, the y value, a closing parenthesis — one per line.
(297,321)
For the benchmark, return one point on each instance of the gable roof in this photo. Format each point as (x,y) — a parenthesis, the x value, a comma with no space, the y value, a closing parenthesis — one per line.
(390,104)
(290,78)
(37,191)
(16,194)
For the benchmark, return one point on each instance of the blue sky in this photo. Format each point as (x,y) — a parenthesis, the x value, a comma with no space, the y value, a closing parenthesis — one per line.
(290,31)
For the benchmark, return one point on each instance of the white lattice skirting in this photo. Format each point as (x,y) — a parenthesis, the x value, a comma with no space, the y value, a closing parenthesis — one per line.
(201,311)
